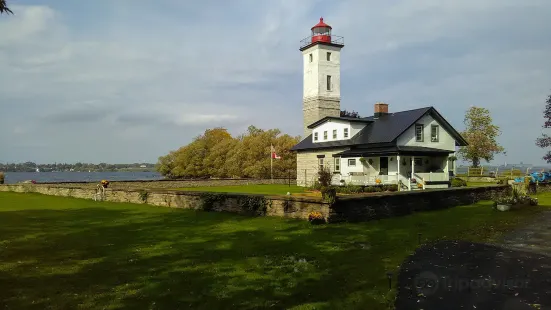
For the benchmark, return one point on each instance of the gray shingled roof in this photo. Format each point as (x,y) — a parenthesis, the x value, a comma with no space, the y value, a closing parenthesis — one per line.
(383,130)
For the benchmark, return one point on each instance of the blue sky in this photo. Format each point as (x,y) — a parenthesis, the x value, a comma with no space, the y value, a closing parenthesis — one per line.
(126,81)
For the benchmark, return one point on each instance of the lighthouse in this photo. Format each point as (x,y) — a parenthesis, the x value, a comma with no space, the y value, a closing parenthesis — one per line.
(321,53)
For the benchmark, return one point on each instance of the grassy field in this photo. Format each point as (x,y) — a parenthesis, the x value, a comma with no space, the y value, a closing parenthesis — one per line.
(66,253)
(267,189)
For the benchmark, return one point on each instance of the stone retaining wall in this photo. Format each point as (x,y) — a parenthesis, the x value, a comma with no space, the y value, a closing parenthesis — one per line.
(361,208)
(354,208)
(172,184)
(293,207)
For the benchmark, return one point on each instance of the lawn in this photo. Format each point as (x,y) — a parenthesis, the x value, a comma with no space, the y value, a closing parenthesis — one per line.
(66,253)
(266,189)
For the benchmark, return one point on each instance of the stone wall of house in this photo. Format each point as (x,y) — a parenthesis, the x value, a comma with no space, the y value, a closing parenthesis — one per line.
(307,165)
(282,206)
(174,184)
(365,208)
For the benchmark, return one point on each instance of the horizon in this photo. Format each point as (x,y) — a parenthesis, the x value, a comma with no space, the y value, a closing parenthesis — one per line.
(144,80)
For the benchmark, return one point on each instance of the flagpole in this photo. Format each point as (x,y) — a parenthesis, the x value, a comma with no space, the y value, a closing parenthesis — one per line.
(272,163)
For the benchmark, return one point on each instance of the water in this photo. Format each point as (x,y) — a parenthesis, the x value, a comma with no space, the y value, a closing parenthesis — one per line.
(15,177)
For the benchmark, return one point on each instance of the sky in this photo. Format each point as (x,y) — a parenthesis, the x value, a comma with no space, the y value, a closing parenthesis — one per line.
(123,81)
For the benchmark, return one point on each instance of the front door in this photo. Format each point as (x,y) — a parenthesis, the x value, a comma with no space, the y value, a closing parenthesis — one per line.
(383,166)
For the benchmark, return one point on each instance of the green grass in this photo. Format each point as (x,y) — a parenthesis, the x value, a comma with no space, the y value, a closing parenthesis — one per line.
(268,189)
(66,253)
(477,184)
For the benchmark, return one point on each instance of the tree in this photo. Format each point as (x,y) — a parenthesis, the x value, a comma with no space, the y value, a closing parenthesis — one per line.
(345,113)
(545,140)
(217,154)
(480,133)
(4,7)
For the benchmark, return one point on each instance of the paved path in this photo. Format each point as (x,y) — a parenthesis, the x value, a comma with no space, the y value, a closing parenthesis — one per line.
(464,275)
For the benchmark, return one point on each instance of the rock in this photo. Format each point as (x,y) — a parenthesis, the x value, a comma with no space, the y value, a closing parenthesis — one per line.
(503,207)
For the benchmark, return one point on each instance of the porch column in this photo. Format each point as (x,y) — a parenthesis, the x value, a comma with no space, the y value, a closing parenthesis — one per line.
(412,165)
(446,169)
(398,169)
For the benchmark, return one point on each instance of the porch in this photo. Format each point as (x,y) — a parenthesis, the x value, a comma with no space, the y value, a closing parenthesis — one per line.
(411,168)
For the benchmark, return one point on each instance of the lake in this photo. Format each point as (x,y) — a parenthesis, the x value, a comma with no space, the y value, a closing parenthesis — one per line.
(15,177)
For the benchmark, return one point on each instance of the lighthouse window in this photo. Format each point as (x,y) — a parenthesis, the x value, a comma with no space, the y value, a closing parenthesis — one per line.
(311,58)
(328,82)
(328,56)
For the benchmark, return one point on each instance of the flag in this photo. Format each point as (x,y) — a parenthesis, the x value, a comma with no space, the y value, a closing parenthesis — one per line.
(274,154)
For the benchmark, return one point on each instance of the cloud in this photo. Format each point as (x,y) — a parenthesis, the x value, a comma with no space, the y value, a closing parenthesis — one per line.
(151,77)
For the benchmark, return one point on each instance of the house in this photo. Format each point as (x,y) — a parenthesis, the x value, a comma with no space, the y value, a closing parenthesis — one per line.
(414,149)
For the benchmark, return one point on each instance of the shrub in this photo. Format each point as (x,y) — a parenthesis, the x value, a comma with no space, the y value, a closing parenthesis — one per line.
(350,189)
(457,182)
(255,205)
(324,177)
(2,177)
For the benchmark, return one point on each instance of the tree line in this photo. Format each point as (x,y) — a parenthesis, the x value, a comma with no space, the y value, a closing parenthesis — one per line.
(216,154)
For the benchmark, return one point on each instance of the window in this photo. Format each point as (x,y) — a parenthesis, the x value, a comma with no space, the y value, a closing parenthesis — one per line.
(434,133)
(328,82)
(418,161)
(334,134)
(419,132)
(315,136)
(320,163)
(346,133)
(352,162)
(325,135)
(311,57)
(337,164)
(328,56)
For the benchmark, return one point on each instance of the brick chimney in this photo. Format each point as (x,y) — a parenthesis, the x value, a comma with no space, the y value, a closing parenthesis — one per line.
(381,109)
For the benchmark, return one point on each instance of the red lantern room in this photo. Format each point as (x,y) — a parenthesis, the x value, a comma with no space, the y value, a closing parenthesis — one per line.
(321,34)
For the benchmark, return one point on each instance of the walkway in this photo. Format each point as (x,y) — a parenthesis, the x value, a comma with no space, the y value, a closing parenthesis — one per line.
(465,275)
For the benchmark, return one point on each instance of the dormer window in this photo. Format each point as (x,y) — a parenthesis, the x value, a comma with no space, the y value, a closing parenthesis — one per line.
(346,133)
(419,132)
(315,136)
(325,135)
(334,134)
(434,133)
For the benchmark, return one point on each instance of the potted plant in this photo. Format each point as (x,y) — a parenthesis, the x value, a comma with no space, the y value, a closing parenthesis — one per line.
(316,218)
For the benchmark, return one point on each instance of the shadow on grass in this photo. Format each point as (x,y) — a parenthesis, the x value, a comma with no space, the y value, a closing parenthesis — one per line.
(70,253)
(465,275)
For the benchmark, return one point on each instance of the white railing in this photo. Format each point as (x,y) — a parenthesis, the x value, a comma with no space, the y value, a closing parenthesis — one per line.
(434,176)
(368,180)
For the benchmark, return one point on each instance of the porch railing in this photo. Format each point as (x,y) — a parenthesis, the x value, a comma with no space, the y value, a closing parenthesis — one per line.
(369,180)
(433,176)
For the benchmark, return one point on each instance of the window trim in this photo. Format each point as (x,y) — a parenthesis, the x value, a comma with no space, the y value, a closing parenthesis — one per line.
(417,125)
(432,127)
(315,136)
(329,88)
(325,135)
(321,164)
(334,134)
(337,163)
(346,133)
(351,160)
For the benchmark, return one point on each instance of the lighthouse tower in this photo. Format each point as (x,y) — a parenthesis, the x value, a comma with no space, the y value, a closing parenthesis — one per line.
(321,53)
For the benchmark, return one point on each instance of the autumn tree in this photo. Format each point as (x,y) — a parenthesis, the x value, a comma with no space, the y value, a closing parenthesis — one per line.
(4,8)
(480,133)
(216,154)
(545,140)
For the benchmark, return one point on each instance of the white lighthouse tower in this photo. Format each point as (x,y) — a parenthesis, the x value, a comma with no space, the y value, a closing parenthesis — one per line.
(321,53)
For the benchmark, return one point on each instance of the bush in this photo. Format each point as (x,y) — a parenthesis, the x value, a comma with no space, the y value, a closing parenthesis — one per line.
(457,182)
(2,177)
